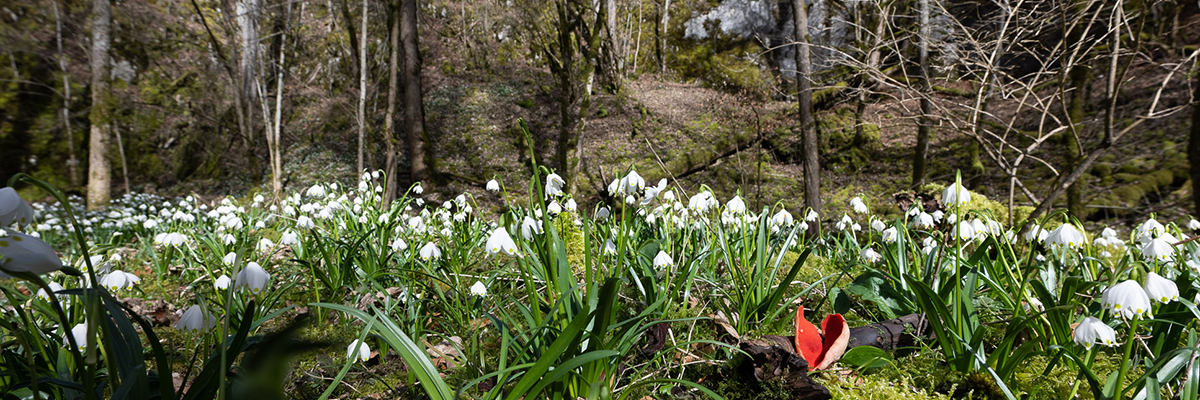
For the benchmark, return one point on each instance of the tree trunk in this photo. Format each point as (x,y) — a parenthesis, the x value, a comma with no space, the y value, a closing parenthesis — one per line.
(925,124)
(362,89)
(1194,140)
(808,134)
(1080,78)
(389,120)
(99,175)
(275,133)
(72,162)
(414,108)
(121,151)
(566,85)
(247,15)
(662,36)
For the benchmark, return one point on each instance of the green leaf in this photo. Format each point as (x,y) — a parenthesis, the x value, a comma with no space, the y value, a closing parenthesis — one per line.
(866,357)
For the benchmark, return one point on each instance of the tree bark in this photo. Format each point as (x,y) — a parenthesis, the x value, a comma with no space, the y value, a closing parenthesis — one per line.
(247,16)
(99,174)
(414,108)
(808,134)
(362,89)
(121,151)
(72,162)
(389,120)
(662,36)
(1194,139)
(925,123)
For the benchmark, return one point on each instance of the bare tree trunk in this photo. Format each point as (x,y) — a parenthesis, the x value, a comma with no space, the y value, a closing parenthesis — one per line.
(808,134)
(925,124)
(72,162)
(662,36)
(1194,139)
(275,133)
(247,16)
(121,151)
(389,120)
(414,107)
(362,89)
(99,175)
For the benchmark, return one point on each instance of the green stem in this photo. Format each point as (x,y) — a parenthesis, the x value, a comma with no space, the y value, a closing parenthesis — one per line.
(1124,365)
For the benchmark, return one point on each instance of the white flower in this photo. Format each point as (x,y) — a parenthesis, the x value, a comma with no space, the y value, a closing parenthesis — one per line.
(1108,233)
(358,350)
(812,216)
(253,277)
(878,225)
(24,253)
(923,221)
(870,255)
(13,208)
(571,206)
(630,184)
(1066,236)
(1151,228)
(479,289)
(316,191)
(1128,299)
(529,226)
(258,198)
(965,231)
(956,195)
(265,244)
(554,208)
(288,238)
(1158,249)
(501,242)
(304,222)
(399,245)
(699,203)
(229,258)
(149,223)
(889,235)
(554,185)
(195,320)
(1193,224)
(781,218)
(602,213)
(228,239)
(222,282)
(937,215)
(430,251)
(119,280)
(1160,289)
(1092,330)
(493,186)
(736,205)
(79,332)
(609,247)
(169,239)
(54,288)
(663,260)
(859,206)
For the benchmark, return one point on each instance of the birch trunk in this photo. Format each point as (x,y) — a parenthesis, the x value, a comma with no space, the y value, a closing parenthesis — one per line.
(99,174)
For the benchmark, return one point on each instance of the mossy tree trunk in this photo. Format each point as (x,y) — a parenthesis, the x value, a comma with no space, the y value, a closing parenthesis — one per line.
(1194,138)
(99,168)
(808,134)
(1080,80)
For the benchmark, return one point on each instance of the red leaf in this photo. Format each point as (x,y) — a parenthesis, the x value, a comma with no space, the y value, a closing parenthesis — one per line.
(808,341)
(837,337)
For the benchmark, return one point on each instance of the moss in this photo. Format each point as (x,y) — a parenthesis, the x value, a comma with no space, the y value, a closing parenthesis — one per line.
(983,205)
(841,143)
(874,387)
(525,103)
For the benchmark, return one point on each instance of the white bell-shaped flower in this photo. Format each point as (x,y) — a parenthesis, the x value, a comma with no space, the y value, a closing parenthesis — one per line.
(253,277)
(119,280)
(554,185)
(54,288)
(359,351)
(663,260)
(858,205)
(493,186)
(195,320)
(923,221)
(288,238)
(1066,236)
(501,242)
(399,245)
(222,282)
(479,289)
(24,253)
(1128,299)
(529,226)
(1092,330)
(14,209)
(79,332)
(870,255)
(1159,249)
(889,235)
(736,205)
(430,251)
(1160,289)
(956,195)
